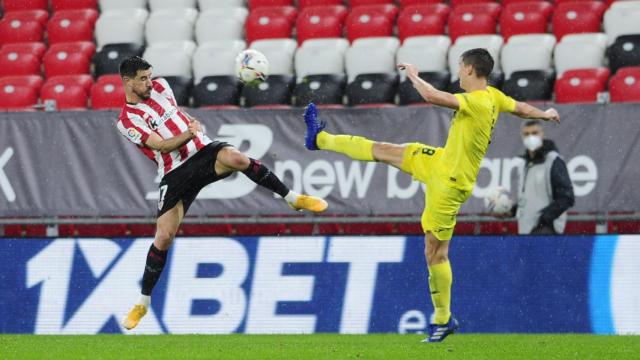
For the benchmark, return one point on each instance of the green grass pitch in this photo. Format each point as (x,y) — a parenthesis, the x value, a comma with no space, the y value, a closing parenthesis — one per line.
(323,346)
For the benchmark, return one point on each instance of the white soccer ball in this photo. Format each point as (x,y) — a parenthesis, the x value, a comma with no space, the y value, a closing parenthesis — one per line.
(252,67)
(498,202)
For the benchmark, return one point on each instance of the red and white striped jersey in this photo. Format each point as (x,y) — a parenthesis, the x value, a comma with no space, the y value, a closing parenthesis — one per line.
(161,115)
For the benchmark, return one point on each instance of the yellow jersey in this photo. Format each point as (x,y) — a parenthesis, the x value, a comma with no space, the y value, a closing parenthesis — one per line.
(470,134)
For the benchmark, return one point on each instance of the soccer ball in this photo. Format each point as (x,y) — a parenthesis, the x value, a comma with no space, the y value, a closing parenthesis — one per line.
(252,67)
(498,201)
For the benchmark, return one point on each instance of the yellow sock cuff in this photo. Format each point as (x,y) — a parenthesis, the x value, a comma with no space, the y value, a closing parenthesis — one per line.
(355,147)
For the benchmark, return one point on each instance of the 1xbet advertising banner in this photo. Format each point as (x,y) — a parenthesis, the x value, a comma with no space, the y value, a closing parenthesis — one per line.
(77,163)
(321,284)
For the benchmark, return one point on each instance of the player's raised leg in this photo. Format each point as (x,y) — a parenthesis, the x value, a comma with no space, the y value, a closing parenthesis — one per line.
(230,159)
(166,229)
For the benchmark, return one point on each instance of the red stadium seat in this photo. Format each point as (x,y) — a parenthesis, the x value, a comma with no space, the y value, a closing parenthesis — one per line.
(473,19)
(35,48)
(254,4)
(354,3)
(306,3)
(40,16)
(455,3)
(507,2)
(57,5)
(525,18)
(33,81)
(624,86)
(15,63)
(405,3)
(63,28)
(90,15)
(107,93)
(14,31)
(17,5)
(67,97)
(85,81)
(320,22)
(68,58)
(371,20)
(18,97)
(270,23)
(577,17)
(417,20)
(581,85)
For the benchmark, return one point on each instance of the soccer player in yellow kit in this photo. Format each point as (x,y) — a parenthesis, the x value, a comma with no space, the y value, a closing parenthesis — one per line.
(449,172)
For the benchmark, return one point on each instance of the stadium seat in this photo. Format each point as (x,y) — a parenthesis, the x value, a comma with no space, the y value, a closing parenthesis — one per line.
(17,63)
(473,19)
(221,24)
(325,89)
(121,26)
(85,81)
(418,20)
(320,22)
(181,22)
(107,93)
(279,52)
(529,17)
(217,91)
(408,94)
(254,4)
(15,31)
(17,5)
(205,5)
(41,16)
(354,3)
(35,48)
(577,51)
(320,57)
(530,85)
(68,58)
(427,53)
(270,23)
(527,52)
(170,59)
(455,3)
(18,97)
(306,3)
(108,59)
(216,59)
(122,4)
(59,5)
(32,81)
(581,85)
(370,89)
(405,3)
(275,91)
(66,97)
(371,56)
(625,51)
(622,19)
(493,43)
(156,5)
(371,21)
(624,86)
(181,87)
(577,17)
(71,25)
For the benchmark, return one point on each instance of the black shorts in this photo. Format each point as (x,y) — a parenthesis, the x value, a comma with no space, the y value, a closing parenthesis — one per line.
(185,182)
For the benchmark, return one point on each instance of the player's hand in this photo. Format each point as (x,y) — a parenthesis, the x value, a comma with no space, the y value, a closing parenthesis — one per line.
(412,70)
(552,115)
(194,127)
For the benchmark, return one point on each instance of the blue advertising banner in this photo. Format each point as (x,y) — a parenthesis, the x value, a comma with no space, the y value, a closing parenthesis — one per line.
(321,284)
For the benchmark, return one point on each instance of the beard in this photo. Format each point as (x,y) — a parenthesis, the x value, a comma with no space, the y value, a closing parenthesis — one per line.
(144,95)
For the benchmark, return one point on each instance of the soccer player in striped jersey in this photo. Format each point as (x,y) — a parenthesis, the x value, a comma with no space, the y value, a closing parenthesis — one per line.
(188,160)
(449,172)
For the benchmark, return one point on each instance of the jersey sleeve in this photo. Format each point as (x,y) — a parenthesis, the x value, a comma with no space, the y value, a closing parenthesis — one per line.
(463,100)
(505,103)
(134,129)
(162,86)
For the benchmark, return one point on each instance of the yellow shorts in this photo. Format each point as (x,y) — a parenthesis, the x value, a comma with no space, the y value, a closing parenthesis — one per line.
(442,201)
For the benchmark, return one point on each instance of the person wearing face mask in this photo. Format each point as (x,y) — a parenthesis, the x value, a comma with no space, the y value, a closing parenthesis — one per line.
(545,191)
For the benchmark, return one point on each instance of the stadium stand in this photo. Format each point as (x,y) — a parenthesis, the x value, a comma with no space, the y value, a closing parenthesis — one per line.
(426,19)
(221,24)
(624,86)
(320,22)
(581,85)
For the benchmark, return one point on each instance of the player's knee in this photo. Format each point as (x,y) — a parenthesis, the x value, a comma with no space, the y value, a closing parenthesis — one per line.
(164,238)
(237,160)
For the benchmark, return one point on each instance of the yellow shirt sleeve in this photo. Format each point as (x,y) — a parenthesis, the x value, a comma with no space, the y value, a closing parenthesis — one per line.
(505,103)
(464,102)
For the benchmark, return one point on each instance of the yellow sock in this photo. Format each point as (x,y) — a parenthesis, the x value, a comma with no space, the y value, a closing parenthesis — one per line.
(440,279)
(355,147)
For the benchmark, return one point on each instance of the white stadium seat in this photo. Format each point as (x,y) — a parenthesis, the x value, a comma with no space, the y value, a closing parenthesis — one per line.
(527,52)
(120,26)
(493,44)
(122,4)
(221,24)
(179,21)
(580,51)
(427,53)
(216,4)
(279,52)
(171,59)
(216,58)
(376,55)
(171,4)
(320,57)
(622,18)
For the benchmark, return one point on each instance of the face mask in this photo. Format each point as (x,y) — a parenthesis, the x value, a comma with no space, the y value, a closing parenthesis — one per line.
(532,142)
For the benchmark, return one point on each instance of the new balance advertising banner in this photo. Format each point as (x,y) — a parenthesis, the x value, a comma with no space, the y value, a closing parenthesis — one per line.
(321,284)
(77,163)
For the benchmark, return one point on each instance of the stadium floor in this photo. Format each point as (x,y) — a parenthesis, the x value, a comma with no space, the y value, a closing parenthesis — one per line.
(290,347)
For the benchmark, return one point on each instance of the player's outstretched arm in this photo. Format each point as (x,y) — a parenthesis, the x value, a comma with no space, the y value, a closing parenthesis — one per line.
(165,146)
(527,111)
(429,93)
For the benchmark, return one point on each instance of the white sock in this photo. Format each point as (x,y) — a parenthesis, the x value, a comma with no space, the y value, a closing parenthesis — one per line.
(291,197)
(144,300)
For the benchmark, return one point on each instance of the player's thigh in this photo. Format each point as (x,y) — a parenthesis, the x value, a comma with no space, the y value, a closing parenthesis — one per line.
(229,159)
(442,204)
(389,153)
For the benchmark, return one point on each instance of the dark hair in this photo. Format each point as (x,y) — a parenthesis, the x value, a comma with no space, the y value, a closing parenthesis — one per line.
(480,60)
(130,67)
(531,123)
